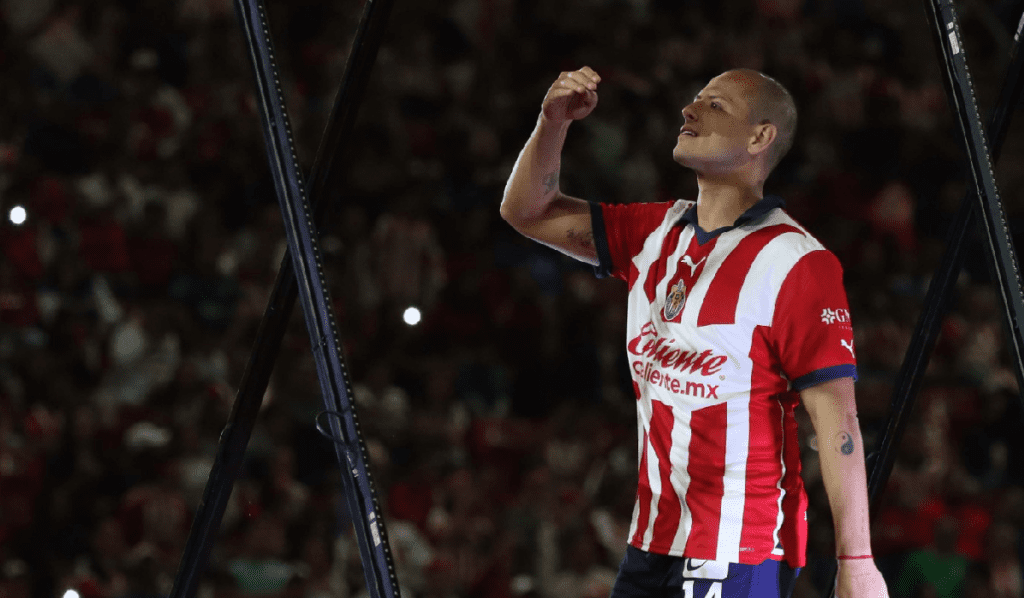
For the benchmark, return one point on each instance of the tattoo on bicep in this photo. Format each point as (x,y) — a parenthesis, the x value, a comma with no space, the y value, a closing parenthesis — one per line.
(551,182)
(582,239)
(844,443)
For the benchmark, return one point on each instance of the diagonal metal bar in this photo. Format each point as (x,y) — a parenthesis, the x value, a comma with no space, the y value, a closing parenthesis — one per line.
(238,430)
(361,498)
(324,177)
(1009,95)
(940,289)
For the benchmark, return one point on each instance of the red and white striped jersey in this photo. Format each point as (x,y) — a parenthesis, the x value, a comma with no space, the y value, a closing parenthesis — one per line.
(724,329)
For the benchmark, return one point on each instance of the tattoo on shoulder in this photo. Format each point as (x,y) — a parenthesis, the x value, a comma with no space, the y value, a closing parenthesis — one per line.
(551,182)
(844,443)
(583,239)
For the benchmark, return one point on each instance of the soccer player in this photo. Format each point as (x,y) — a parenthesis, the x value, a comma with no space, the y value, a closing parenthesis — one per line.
(736,314)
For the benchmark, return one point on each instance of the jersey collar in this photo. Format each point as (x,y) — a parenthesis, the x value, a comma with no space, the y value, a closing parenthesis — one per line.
(756,211)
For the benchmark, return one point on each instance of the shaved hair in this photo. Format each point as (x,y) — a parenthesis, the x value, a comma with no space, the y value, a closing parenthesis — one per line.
(772,103)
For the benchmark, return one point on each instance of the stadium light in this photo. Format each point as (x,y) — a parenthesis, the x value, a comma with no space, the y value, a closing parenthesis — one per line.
(18,215)
(411,316)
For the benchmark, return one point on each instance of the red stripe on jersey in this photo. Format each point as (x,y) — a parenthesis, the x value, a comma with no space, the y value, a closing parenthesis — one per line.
(627,227)
(764,460)
(707,470)
(794,504)
(669,507)
(657,270)
(724,291)
(643,499)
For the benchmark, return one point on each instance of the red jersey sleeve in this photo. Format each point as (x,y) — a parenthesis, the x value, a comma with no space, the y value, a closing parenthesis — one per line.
(620,231)
(811,329)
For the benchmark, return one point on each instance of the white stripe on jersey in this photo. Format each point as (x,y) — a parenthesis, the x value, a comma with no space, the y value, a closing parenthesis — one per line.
(737,443)
(654,479)
(769,270)
(781,516)
(681,435)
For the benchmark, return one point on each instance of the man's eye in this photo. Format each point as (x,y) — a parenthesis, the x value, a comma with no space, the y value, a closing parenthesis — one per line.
(714,105)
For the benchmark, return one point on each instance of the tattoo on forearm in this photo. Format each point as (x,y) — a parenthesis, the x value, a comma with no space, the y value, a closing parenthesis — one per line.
(844,443)
(583,239)
(551,182)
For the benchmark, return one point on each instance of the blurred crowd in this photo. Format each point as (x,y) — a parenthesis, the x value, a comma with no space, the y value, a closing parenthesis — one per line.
(500,428)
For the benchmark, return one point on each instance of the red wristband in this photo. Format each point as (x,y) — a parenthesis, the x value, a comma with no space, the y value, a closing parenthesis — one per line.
(844,557)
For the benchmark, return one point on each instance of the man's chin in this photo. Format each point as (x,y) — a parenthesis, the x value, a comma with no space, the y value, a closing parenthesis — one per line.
(683,159)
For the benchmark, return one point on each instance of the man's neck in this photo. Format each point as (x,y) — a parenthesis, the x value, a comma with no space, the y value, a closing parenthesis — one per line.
(721,204)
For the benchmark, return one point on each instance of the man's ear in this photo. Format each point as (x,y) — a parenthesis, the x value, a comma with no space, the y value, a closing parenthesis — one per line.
(764,135)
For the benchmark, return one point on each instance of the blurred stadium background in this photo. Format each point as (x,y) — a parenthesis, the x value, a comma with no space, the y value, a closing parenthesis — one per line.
(501,425)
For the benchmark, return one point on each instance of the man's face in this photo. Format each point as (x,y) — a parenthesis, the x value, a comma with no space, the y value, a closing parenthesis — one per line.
(717,129)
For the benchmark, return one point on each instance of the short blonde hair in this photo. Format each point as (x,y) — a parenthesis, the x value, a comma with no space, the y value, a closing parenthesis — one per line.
(773,104)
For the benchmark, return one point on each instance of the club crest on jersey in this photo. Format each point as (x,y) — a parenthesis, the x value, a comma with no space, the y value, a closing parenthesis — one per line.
(674,301)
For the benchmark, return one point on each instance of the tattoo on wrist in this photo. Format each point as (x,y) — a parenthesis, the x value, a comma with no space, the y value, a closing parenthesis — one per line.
(844,443)
(584,239)
(551,182)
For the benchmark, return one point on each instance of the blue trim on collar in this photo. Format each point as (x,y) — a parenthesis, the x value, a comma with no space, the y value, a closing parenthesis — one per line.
(756,211)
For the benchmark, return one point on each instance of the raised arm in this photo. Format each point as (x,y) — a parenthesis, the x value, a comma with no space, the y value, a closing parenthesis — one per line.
(833,412)
(533,203)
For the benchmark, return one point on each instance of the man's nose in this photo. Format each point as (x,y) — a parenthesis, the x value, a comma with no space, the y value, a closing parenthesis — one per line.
(689,114)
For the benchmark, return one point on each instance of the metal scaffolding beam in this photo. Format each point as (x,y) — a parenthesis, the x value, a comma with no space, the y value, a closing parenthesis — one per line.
(323,183)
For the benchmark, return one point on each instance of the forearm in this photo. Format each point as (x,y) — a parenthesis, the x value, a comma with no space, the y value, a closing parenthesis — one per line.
(833,410)
(533,185)
(841,453)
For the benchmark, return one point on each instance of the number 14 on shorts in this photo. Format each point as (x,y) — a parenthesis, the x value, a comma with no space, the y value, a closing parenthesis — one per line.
(698,591)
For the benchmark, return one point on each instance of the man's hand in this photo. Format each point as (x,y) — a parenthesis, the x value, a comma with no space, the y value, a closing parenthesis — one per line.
(572,96)
(860,579)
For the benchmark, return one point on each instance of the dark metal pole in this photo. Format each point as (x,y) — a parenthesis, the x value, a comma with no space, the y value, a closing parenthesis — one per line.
(925,334)
(353,460)
(235,436)
(324,176)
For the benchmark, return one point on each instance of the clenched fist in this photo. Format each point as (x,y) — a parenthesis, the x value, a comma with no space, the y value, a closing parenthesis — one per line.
(572,96)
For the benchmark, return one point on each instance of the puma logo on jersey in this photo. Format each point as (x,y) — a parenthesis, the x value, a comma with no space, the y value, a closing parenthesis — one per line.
(849,347)
(689,262)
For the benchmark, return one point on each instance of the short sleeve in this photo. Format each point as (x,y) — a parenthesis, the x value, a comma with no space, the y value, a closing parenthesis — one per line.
(620,231)
(811,329)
